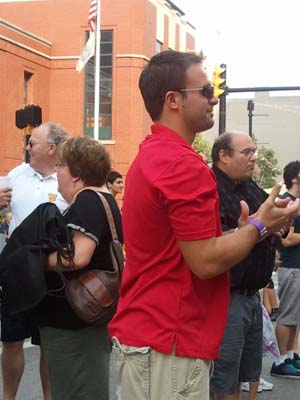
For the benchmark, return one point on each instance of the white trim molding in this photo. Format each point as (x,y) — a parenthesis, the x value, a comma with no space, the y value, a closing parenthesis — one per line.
(39,53)
(140,56)
(107,142)
(27,34)
(33,37)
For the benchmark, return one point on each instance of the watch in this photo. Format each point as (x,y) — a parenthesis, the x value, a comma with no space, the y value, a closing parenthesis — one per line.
(259,226)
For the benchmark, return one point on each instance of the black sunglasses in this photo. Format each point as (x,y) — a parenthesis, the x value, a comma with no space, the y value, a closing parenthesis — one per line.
(206,91)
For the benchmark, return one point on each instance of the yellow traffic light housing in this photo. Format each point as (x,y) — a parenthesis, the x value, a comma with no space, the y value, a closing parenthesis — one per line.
(219,79)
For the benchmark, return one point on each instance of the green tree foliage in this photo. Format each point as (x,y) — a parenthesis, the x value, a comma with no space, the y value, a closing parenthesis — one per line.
(202,147)
(267,168)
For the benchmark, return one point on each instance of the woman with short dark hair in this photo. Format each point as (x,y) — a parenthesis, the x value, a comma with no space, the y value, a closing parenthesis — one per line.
(77,354)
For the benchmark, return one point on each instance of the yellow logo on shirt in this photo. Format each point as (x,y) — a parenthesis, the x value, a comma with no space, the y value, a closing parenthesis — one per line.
(52,197)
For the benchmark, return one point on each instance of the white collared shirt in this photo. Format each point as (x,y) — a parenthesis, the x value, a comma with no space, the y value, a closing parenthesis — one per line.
(29,190)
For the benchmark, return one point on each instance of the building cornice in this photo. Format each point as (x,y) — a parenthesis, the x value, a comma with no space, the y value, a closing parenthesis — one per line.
(33,37)
(34,51)
(171,9)
(139,56)
(27,34)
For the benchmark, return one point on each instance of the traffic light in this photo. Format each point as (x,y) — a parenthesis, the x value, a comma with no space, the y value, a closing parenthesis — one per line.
(219,80)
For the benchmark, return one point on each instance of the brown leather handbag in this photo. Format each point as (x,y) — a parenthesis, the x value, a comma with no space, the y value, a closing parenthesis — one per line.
(94,294)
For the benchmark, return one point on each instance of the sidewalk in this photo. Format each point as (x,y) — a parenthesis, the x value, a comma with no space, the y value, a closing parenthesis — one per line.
(30,387)
(284,389)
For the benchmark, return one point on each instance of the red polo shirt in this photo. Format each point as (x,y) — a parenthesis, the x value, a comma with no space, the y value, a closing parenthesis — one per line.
(170,196)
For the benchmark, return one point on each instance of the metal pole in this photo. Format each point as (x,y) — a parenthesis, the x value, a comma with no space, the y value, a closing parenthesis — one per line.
(27,134)
(97,75)
(250,108)
(222,114)
(262,89)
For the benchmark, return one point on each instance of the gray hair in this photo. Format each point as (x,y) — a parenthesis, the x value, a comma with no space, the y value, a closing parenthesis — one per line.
(56,132)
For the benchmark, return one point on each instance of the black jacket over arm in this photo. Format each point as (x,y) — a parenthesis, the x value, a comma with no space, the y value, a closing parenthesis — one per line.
(24,258)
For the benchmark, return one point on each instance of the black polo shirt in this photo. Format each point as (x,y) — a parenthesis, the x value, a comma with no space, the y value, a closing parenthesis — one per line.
(255,271)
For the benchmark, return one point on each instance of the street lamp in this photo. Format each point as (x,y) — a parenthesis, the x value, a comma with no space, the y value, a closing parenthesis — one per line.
(250,109)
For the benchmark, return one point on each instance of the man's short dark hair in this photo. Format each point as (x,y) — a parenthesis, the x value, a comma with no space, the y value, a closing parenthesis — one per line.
(291,171)
(223,142)
(112,176)
(165,71)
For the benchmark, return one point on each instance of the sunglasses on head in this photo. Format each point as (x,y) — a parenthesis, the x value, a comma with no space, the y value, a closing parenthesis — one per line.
(206,91)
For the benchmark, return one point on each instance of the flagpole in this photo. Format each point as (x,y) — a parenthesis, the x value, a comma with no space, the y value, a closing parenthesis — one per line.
(97,75)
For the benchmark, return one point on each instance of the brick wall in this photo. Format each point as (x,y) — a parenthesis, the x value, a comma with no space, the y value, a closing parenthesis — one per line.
(58,30)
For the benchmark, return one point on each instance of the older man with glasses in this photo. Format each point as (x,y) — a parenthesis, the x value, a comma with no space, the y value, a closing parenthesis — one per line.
(240,360)
(31,184)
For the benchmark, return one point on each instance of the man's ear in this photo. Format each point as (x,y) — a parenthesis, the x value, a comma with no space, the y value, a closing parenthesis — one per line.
(52,149)
(173,99)
(224,156)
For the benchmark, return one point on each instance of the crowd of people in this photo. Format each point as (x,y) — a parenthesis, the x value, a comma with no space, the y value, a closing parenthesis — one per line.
(200,250)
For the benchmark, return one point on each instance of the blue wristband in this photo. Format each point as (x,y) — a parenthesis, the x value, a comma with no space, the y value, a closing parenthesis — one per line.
(259,226)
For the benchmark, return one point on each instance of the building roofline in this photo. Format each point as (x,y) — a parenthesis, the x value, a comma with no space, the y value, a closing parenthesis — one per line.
(131,55)
(34,51)
(173,5)
(23,32)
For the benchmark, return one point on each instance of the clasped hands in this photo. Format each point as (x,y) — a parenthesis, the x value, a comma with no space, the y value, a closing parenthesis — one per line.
(276,214)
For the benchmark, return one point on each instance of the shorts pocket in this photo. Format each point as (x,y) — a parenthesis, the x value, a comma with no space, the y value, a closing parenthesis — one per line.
(196,386)
(131,367)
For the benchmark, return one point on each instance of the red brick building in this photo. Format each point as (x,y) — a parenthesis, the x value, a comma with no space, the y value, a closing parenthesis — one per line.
(40,41)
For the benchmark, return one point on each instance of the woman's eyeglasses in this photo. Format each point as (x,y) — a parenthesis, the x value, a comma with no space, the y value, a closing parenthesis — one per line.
(206,91)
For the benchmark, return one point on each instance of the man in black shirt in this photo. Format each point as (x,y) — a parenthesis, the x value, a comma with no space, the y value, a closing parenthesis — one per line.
(240,359)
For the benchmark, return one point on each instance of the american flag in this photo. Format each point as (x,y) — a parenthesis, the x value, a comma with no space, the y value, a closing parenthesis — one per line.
(92,15)
(89,48)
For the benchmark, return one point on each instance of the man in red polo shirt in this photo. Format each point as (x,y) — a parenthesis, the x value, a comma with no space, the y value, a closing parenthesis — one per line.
(174,295)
